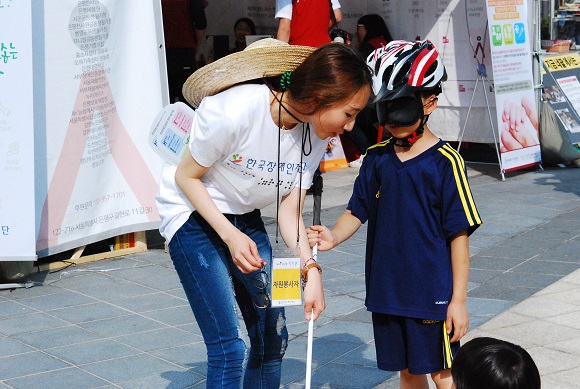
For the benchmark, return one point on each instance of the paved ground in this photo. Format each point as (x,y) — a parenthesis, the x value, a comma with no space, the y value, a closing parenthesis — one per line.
(125,323)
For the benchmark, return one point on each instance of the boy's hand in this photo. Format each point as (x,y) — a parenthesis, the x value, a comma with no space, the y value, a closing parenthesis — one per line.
(321,235)
(457,320)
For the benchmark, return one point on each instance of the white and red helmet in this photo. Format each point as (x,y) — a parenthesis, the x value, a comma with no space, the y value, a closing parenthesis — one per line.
(401,68)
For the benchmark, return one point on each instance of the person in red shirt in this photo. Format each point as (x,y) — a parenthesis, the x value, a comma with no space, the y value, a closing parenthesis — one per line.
(306,22)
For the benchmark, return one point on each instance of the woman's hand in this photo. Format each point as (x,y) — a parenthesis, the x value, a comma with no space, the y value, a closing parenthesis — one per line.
(313,295)
(244,251)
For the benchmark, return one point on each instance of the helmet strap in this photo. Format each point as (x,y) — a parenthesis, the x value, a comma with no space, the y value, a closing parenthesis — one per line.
(414,137)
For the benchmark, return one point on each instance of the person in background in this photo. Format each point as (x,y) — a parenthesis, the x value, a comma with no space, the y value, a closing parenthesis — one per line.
(242,28)
(372,33)
(306,22)
(364,134)
(184,25)
(254,144)
(484,363)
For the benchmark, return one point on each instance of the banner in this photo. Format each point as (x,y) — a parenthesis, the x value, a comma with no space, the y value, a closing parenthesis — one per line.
(562,90)
(517,115)
(17,234)
(334,157)
(96,174)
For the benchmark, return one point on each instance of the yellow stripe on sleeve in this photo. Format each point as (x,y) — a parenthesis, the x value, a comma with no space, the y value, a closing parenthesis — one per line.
(464,179)
(461,182)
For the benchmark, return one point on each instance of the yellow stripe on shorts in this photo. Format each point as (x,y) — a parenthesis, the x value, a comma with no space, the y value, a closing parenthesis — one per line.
(447,355)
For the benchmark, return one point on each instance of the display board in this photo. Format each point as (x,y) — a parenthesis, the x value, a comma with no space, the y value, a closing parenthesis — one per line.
(17,234)
(517,114)
(97,90)
(562,90)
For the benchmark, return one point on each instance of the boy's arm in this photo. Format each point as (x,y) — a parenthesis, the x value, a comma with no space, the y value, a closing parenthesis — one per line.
(457,316)
(346,225)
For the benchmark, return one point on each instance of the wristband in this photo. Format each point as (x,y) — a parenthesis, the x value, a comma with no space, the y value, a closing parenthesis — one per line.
(308,260)
(308,267)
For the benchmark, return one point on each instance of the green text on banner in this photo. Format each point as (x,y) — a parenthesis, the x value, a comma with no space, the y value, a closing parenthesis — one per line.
(17,234)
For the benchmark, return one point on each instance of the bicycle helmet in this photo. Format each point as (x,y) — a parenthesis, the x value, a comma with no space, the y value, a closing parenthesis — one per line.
(401,68)
(401,71)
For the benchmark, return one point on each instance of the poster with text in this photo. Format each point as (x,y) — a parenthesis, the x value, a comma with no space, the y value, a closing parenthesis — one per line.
(97,175)
(562,90)
(516,111)
(17,234)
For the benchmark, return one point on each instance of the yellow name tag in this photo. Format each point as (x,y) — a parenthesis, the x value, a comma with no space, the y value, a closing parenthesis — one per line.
(286,288)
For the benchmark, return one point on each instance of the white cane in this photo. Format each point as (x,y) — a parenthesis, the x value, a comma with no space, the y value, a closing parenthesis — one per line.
(317,184)
(309,351)
(310,334)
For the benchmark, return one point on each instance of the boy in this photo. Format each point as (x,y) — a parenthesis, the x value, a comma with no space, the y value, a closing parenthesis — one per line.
(493,363)
(413,190)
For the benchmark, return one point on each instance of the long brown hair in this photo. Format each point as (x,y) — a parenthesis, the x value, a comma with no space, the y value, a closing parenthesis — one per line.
(331,74)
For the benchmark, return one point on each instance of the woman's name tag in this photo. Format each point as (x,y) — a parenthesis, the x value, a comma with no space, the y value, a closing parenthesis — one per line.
(286,288)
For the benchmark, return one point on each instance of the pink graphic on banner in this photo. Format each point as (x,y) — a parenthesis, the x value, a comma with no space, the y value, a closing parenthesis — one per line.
(119,145)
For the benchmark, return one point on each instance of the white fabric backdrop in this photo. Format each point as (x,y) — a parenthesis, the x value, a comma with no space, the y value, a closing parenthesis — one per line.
(444,22)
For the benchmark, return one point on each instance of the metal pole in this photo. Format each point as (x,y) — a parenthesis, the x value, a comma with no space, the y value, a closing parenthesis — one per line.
(317,184)
(482,75)
(467,116)
(495,140)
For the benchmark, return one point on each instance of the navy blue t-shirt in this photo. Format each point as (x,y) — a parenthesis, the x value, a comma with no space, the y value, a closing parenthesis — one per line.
(413,209)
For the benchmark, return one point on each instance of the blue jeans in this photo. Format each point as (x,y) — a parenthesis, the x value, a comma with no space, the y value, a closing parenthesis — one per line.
(213,284)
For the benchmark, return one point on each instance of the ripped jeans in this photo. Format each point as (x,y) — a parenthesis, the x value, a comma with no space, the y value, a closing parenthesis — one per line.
(213,284)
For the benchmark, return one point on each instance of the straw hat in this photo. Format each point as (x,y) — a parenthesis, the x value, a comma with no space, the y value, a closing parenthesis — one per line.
(264,58)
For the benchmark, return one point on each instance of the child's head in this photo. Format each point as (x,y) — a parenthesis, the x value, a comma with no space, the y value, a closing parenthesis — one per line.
(403,68)
(492,363)
(407,78)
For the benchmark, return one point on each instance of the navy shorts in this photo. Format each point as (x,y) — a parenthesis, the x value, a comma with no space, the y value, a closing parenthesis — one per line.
(414,344)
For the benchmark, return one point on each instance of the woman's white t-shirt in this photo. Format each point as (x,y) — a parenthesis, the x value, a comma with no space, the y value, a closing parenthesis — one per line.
(233,133)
